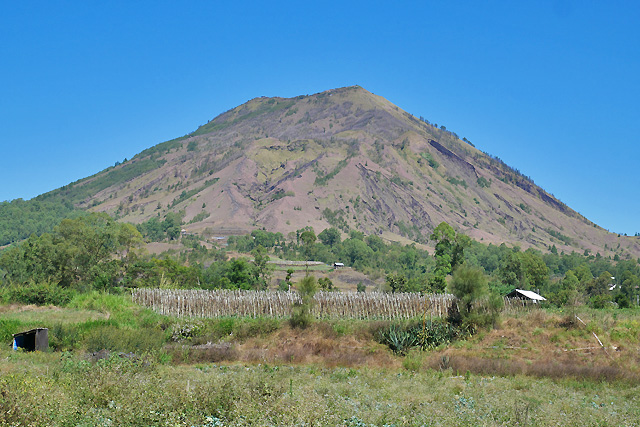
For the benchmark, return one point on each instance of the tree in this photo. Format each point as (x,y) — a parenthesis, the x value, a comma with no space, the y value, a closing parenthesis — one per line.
(477,307)
(396,282)
(356,251)
(266,238)
(449,254)
(301,311)
(524,270)
(512,272)
(287,279)
(535,270)
(330,236)
(239,274)
(375,243)
(325,283)
(262,268)
(308,238)
(600,285)
(87,251)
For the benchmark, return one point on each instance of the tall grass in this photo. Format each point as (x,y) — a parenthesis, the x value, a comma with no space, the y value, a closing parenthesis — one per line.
(92,321)
(65,390)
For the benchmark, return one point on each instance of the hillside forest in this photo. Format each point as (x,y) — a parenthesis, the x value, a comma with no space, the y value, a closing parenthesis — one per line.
(95,252)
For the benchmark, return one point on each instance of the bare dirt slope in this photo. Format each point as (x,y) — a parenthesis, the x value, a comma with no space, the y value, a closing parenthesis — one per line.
(345,158)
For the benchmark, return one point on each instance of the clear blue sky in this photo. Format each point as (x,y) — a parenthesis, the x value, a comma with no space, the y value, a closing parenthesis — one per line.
(550,87)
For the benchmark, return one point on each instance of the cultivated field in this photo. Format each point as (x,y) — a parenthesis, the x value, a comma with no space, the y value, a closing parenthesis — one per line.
(328,305)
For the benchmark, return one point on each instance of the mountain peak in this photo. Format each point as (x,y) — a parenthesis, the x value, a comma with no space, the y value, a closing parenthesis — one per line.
(344,158)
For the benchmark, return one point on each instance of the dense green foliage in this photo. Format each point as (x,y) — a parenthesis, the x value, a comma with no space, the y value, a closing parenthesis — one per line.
(156,230)
(429,334)
(561,277)
(449,253)
(301,312)
(20,219)
(477,306)
(92,250)
(84,188)
(96,252)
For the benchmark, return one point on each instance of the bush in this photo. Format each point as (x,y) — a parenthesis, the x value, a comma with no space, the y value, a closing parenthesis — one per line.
(430,334)
(43,293)
(399,339)
(186,330)
(64,337)
(600,301)
(301,311)
(477,306)
(439,332)
(256,327)
(623,301)
(9,327)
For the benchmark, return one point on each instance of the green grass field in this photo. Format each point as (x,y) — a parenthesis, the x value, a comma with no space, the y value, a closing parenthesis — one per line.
(64,389)
(261,372)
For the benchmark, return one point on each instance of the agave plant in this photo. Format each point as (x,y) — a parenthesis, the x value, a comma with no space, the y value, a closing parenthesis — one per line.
(398,339)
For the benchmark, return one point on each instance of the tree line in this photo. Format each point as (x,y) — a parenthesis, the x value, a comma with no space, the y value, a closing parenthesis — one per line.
(94,251)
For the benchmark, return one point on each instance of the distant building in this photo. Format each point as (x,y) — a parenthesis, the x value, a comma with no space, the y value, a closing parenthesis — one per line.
(338,265)
(526,295)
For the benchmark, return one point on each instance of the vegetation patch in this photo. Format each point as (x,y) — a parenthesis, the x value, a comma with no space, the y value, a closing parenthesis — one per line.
(20,219)
(323,179)
(558,235)
(80,190)
(185,195)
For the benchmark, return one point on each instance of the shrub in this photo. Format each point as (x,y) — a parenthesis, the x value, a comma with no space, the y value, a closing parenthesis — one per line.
(255,327)
(43,293)
(301,312)
(623,301)
(482,182)
(477,308)
(398,339)
(8,327)
(438,332)
(600,301)
(186,330)
(429,334)
(63,337)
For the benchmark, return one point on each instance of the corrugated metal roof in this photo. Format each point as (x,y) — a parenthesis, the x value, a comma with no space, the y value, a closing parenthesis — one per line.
(32,331)
(531,295)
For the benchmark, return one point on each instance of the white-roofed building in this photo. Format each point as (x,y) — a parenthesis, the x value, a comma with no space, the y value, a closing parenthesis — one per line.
(528,295)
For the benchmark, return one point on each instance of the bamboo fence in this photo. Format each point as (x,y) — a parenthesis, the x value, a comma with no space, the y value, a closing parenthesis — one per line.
(344,305)
(341,305)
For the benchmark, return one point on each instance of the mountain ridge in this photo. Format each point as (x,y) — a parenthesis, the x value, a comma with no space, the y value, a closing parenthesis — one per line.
(344,157)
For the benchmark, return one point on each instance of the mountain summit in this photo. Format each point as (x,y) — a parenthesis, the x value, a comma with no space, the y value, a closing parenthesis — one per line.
(345,158)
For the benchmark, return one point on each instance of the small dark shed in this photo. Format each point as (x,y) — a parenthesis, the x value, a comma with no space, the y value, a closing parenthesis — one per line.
(35,339)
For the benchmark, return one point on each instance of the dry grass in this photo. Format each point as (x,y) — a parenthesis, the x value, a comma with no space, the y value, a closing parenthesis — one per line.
(71,391)
(319,344)
(537,343)
(545,369)
(545,344)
